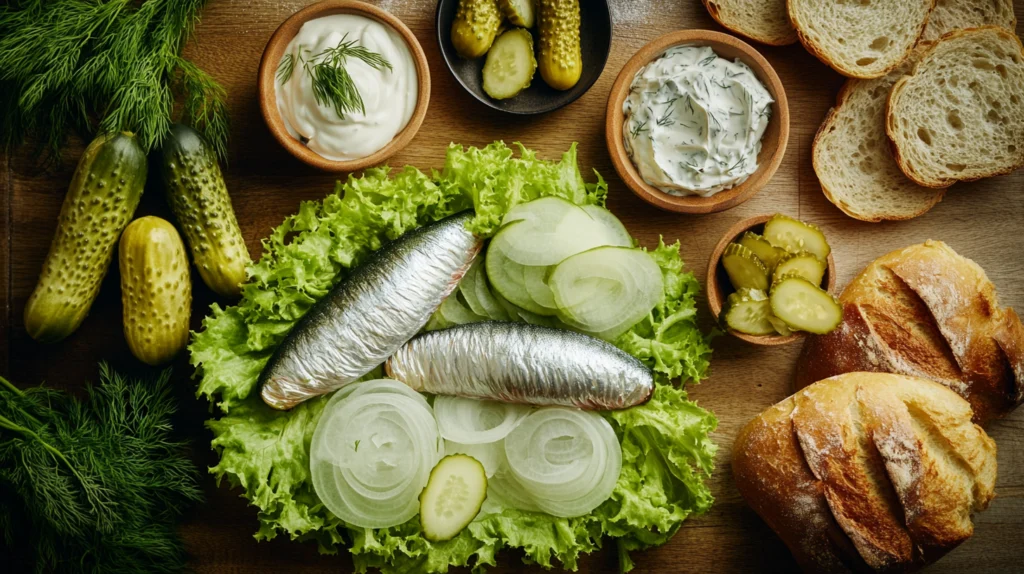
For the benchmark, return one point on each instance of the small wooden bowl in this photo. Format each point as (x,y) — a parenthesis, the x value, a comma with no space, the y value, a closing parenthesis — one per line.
(268,74)
(719,288)
(773,143)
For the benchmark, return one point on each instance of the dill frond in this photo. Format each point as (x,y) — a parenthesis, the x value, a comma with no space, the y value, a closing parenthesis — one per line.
(102,65)
(332,84)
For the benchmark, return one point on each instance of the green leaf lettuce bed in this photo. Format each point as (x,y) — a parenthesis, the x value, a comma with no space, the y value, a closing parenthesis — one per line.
(665,446)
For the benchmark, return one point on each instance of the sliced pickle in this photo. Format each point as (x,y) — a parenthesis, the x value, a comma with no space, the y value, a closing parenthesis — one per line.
(804,306)
(805,264)
(766,252)
(796,236)
(780,326)
(748,311)
(745,270)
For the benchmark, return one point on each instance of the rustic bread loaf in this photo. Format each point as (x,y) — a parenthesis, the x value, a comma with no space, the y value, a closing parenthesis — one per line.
(950,15)
(926,311)
(859,39)
(867,471)
(765,21)
(959,116)
(852,159)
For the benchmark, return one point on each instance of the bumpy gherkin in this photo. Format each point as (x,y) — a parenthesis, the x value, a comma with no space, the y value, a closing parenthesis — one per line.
(101,200)
(560,62)
(476,24)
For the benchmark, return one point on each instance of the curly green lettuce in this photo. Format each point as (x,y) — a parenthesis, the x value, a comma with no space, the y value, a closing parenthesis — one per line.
(666,450)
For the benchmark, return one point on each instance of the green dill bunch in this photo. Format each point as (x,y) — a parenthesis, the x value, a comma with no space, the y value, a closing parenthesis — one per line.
(103,65)
(93,485)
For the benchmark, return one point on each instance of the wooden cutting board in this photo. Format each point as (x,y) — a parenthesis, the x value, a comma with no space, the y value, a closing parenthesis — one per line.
(984,221)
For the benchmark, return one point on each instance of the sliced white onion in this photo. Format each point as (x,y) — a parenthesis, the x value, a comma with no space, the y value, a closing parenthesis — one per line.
(566,462)
(372,453)
(489,454)
(470,421)
(376,386)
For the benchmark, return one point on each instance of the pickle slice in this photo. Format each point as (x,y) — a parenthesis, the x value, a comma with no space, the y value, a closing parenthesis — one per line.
(748,311)
(805,264)
(804,306)
(745,270)
(510,64)
(796,236)
(766,252)
(780,326)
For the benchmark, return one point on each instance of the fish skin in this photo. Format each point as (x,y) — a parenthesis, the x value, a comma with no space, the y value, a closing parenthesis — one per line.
(371,313)
(522,363)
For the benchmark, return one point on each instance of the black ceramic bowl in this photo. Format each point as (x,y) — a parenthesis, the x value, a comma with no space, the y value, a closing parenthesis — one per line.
(595,43)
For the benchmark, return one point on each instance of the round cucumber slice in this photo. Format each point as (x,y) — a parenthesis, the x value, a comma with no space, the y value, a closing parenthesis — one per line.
(454,493)
(606,288)
(805,306)
(509,279)
(537,287)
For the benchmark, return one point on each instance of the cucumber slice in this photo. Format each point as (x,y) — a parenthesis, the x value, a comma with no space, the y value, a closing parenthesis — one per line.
(550,229)
(519,314)
(492,308)
(805,265)
(759,246)
(804,306)
(536,279)
(469,286)
(748,311)
(509,279)
(453,496)
(780,326)
(510,64)
(617,233)
(519,12)
(745,270)
(796,236)
(456,312)
(606,288)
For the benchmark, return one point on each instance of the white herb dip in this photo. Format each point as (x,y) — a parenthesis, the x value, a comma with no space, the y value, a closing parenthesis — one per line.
(389,96)
(694,121)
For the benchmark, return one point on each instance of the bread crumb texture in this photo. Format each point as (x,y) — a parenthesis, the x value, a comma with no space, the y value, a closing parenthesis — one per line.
(765,21)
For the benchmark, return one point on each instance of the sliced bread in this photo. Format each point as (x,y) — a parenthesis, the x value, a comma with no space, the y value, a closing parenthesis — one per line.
(952,15)
(860,39)
(851,155)
(959,116)
(764,21)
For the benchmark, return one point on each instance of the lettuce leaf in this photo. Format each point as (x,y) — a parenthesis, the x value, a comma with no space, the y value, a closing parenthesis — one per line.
(666,450)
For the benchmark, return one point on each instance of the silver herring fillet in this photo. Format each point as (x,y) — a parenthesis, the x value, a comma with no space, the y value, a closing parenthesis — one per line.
(371,313)
(522,363)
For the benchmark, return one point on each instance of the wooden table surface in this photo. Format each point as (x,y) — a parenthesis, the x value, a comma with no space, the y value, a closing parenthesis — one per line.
(984,221)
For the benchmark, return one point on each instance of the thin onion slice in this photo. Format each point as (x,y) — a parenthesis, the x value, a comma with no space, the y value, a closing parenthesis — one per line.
(471,421)
(566,461)
(488,454)
(372,453)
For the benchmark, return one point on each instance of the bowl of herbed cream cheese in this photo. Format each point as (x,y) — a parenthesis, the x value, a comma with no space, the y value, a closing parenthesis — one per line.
(697,122)
(343,85)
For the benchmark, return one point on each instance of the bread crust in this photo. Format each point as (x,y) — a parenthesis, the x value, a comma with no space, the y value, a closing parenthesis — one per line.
(897,92)
(732,27)
(812,48)
(867,472)
(926,311)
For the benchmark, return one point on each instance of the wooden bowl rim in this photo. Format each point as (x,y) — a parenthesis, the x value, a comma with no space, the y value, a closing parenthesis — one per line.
(268,72)
(714,290)
(694,204)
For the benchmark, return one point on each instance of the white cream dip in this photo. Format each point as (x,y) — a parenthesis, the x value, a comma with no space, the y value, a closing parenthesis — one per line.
(694,121)
(389,96)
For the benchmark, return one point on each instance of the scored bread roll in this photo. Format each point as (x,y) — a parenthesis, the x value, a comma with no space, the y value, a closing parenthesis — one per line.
(926,311)
(867,471)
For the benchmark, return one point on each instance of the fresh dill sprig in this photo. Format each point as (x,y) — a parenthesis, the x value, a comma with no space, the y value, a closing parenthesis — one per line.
(93,485)
(332,85)
(638,128)
(102,65)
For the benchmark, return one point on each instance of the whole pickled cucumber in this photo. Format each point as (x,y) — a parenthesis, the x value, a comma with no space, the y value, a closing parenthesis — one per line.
(156,290)
(100,202)
(199,199)
(475,27)
(560,61)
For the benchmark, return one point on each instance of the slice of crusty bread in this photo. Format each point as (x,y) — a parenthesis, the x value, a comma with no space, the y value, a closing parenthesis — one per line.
(851,155)
(959,116)
(952,15)
(765,21)
(859,39)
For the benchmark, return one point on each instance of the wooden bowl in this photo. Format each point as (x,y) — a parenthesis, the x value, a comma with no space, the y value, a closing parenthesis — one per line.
(773,143)
(719,288)
(266,82)
(539,98)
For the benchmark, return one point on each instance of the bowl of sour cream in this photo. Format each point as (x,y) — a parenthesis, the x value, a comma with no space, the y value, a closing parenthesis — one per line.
(697,122)
(343,85)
